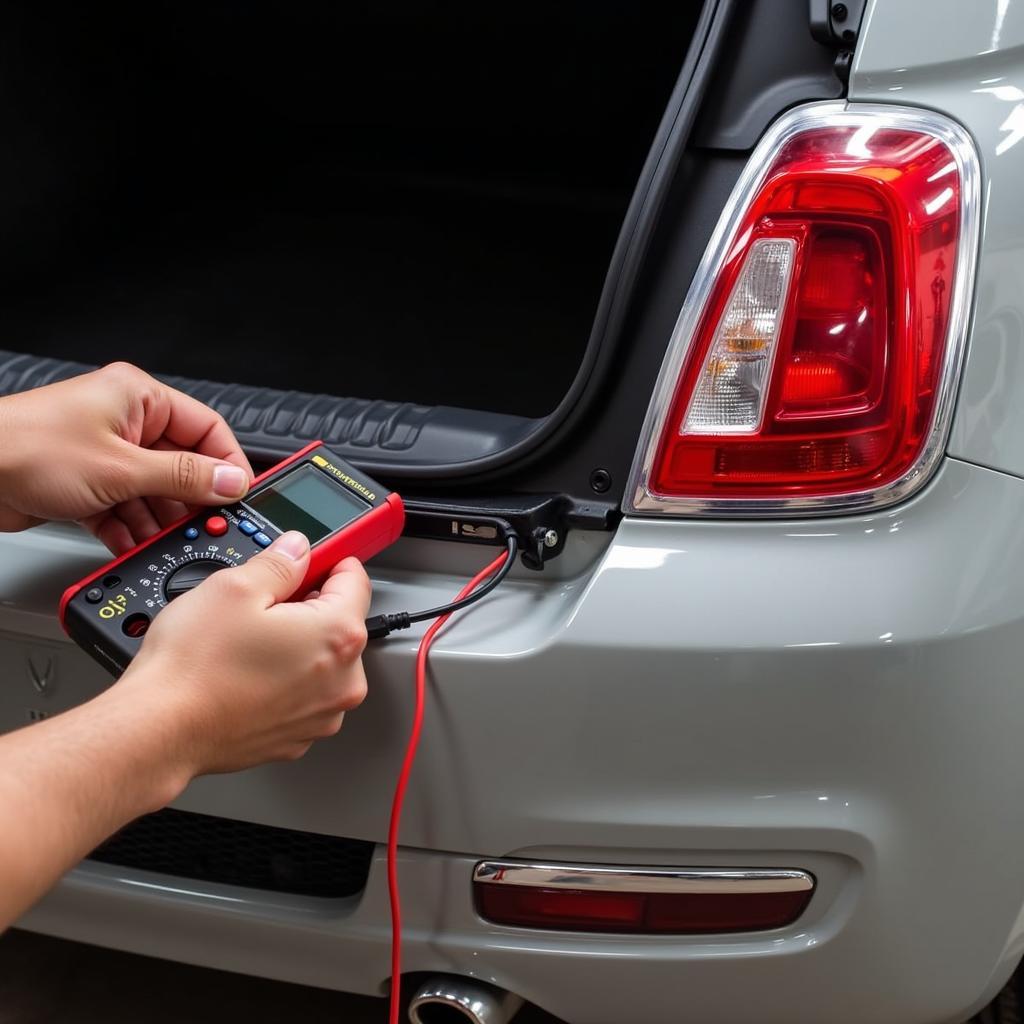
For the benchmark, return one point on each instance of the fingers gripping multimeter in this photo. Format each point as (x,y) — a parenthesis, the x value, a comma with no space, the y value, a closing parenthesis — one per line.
(341,510)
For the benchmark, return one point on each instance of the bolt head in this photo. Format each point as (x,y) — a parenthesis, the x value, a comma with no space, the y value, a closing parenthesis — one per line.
(550,538)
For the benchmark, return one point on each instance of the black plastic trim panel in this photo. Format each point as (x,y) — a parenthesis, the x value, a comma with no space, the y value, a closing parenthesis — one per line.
(776,63)
(227,852)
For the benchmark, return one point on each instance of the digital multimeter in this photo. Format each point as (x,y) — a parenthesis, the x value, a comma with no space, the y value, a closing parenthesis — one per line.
(341,511)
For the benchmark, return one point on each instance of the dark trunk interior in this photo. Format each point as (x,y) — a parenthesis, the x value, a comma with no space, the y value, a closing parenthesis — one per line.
(414,202)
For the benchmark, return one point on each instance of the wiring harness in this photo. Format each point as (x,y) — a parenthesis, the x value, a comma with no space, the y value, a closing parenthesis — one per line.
(380,626)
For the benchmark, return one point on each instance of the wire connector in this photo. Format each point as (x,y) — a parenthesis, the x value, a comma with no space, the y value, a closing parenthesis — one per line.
(380,626)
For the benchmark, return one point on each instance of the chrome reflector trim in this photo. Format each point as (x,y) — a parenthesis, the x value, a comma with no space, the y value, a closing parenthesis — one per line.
(647,880)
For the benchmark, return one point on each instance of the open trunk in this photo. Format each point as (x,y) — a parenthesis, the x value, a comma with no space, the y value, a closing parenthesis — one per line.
(408,202)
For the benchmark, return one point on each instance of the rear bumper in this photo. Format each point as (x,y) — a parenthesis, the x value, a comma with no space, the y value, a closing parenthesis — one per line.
(345,944)
(842,697)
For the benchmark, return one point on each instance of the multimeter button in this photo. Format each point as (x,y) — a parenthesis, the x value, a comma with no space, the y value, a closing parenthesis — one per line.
(191,533)
(247,527)
(263,540)
(216,526)
(94,595)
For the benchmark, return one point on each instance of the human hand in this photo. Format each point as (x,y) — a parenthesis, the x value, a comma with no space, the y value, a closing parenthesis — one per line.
(281,676)
(116,450)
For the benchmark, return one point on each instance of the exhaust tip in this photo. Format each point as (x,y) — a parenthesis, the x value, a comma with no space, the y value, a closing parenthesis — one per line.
(440,1013)
(452,1000)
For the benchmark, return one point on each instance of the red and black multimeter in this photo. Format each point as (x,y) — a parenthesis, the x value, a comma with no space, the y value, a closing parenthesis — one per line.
(341,510)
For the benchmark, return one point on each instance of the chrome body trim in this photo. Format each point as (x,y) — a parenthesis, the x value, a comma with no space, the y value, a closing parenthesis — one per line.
(639,499)
(708,881)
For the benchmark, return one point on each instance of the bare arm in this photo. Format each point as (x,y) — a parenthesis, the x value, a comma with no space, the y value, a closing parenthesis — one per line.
(194,700)
(69,782)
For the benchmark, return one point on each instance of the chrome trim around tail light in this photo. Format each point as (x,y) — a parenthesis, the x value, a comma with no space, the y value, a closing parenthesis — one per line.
(639,498)
(647,880)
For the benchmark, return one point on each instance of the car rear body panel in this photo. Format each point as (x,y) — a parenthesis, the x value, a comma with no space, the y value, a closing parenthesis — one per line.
(850,708)
(837,695)
(967,61)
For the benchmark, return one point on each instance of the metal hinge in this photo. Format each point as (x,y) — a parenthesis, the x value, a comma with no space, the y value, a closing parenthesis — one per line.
(837,25)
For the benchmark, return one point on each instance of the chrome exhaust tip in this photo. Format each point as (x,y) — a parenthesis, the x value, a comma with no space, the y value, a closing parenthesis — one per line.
(447,999)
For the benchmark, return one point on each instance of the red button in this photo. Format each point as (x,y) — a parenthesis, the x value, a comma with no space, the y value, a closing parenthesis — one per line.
(216,526)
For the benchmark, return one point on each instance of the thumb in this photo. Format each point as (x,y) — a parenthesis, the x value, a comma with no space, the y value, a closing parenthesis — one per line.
(186,476)
(277,572)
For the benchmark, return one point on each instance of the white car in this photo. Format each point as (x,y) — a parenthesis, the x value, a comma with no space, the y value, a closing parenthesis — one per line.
(721,305)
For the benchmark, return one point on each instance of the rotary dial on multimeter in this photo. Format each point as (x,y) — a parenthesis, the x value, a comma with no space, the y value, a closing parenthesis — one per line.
(174,575)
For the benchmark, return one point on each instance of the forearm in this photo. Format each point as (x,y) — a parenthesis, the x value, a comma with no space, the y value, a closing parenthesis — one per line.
(68,783)
(13,443)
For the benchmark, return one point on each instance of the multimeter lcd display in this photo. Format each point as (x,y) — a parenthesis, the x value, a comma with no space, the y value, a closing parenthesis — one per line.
(306,500)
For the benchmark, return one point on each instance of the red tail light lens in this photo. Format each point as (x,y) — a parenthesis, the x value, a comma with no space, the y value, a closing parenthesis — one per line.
(637,912)
(814,365)
(837,354)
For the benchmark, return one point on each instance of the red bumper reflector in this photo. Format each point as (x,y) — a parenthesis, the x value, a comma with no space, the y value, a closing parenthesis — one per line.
(586,910)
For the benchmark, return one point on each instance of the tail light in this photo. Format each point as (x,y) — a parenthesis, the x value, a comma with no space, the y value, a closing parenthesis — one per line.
(813,367)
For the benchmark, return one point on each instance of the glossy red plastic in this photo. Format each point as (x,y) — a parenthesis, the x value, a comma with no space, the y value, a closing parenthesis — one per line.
(864,326)
(837,358)
(586,910)
(364,538)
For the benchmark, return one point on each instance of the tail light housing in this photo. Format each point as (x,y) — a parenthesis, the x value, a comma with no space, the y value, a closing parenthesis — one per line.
(813,367)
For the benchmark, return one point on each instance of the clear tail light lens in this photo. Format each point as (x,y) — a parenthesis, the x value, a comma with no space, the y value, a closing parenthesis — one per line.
(814,365)
(730,392)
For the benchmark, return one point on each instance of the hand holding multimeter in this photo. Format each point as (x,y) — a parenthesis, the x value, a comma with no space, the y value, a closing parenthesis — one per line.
(238,674)
(340,510)
(232,676)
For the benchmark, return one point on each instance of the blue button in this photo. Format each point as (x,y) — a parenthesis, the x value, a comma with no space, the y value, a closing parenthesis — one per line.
(262,539)
(191,533)
(246,527)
